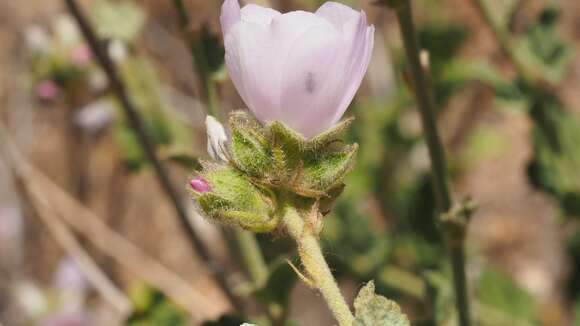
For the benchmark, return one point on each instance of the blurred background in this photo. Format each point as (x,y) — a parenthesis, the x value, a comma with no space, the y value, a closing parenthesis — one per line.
(88,236)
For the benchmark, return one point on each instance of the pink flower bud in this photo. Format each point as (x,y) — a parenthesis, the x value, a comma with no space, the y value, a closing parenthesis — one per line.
(300,68)
(81,55)
(47,90)
(199,184)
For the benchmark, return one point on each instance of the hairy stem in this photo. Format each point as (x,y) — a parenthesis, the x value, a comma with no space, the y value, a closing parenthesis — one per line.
(437,156)
(315,265)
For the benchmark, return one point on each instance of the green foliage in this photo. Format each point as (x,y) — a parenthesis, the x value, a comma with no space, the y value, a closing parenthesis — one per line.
(166,129)
(497,290)
(556,170)
(543,49)
(151,308)
(362,249)
(372,309)
(121,20)
(226,320)
(276,293)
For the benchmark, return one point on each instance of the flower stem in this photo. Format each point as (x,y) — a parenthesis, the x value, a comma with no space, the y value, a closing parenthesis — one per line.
(315,265)
(252,257)
(454,240)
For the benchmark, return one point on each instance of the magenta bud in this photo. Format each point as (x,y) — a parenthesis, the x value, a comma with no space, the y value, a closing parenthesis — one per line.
(198,184)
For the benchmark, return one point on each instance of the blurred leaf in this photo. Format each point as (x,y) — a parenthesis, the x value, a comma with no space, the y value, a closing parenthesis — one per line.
(556,171)
(496,289)
(226,320)
(153,308)
(118,19)
(162,124)
(181,156)
(543,49)
(279,284)
(213,50)
(356,241)
(372,309)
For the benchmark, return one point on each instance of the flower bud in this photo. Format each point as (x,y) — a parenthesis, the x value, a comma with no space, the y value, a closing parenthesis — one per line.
(228,197)
(199,185)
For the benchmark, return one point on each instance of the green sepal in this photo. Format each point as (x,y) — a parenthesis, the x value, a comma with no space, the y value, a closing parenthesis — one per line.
(326,170)
(372,309)
(250,152)
(332,135)
(234,200)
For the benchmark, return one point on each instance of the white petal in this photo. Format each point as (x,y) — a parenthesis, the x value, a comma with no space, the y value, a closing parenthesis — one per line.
(255,57)
(216,139)
(258,15)
(359,69)
(358,41)
(230,15)
(253,69)
(306,77)
(337,13)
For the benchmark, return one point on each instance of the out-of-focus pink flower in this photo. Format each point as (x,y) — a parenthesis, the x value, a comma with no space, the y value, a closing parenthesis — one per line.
(300,68)
(47,90)
(81,55)
(198,184)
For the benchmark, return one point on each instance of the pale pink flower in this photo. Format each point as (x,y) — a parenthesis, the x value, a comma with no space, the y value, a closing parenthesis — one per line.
(199,184)
(47,90)
(81,55)
(300,68)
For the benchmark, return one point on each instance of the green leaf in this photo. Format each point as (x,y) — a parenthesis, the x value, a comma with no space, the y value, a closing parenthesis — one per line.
(496,289)
(372,309)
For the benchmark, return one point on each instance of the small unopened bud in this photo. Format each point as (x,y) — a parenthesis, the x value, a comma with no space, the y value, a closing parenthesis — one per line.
(216,139)
(199,185)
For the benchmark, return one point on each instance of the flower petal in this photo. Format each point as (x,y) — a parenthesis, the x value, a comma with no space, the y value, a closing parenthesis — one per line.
(360,67)
(306,77)
(230,15)
(252,13)
(359,41)
(337,13)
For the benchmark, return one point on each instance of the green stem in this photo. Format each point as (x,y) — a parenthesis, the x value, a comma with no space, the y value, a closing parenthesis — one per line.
(315,265)
(252,257)
(437,156)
